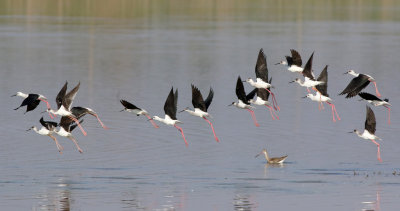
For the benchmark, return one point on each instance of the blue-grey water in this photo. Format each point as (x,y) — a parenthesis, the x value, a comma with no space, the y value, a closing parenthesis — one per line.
(139,54)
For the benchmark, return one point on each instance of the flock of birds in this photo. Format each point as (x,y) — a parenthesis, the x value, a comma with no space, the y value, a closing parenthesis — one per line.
(70,116)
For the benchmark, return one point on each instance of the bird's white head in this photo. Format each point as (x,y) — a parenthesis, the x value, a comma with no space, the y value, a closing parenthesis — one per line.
(20,94)
(186,109)
(157,118)
(41,97)
(249,80)
(297,80)
(31,128)
(352,72)
(283,62)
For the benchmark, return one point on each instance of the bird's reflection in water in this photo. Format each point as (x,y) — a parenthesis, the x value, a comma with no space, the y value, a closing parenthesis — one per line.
(243,203)
(373,205)
(58,198)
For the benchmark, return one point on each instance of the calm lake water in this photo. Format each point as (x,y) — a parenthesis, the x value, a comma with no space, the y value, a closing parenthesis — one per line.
(137,50)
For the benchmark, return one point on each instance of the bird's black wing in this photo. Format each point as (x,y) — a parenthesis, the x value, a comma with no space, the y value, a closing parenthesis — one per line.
(61,95)
(261,66)
(370,122)
(323,76)
(251,95)
(263,94)
(355,86)
(307,71)
(209,98)
(48,124)
(69,98)
(65,122)
(197,99)
(289,60)
(128,105)
(73,126)
(368,96)
(31,106)
(296,58)
(170,106)
(30,99)
(240,93)
(79,112)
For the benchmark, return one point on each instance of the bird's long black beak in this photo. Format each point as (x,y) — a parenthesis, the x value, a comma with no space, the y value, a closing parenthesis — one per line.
(29,129)
(43,112)
(345,73)
(258,154)
(122,110)
(351,132)
(277,63)
(230,104)
(150,119)
(13,95)
(304,97)
(292,82)
(181,111)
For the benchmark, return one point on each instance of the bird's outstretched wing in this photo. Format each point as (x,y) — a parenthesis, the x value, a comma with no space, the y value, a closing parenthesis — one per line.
(261,66)
(368,96)
(170,104)
(355,86)
(370,122)
(197,99)
(240,93)
(209,98)
(69,98)
(323,76)
(61,95)
(307,71)
(296,58)
(128,105)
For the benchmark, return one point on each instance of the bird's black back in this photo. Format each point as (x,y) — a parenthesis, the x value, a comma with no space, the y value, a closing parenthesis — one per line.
(251,95)
(128,105)
(356,85)
(307,71)
(61,95)
(370,122)
(31,102)
(368,96)
(170,105)
(296,58)
(261,66)
(323,76)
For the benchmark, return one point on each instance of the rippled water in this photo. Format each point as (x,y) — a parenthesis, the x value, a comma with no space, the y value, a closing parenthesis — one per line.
(133,166)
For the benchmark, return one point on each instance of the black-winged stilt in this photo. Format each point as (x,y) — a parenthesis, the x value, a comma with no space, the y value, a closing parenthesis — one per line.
(129,107)
(375,101)
(322,95)
(201,106)
(79,112)
(261,82)
(262,99)
(64,103)
(170,107)
(309,78)
(66,129)
(369,131)
(277,160)
(244,100)
(47,129)
(358,83)
(293,62)
(31,101)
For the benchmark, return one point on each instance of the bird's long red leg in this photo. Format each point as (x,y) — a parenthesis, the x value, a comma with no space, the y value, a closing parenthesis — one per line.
(59,147)
(274,102)
(379,152)
(183,135)
(376,89)
(152,121)
(76,143)
(254,117)
(215,136)
(333,114)
(79,125)
(98,119)
(272,110)
(48,107)
(337,115)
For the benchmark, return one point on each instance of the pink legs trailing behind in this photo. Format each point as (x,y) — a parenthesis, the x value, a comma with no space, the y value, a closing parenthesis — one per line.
(376,89)
(152,121)
(215,136)
(183,135)
(274,102)
(98,119)
(379,152)
(48,106)
(76,143)
(254,117)
(388,114)
(333,112)
(59,147)
(79,125)
(272,110)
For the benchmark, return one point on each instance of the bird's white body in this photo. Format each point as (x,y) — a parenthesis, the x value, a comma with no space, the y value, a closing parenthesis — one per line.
(259,83)
(319,98)
(167,120)
(137,111)
(62,132)
(197,112)
(23,95)
(62,111)
(292,68)
(43,131)
(242,105)
(308,83)
(260,101)
(367,135)
(378,103)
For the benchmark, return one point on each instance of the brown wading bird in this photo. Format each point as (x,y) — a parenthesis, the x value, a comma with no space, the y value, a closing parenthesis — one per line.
(277,160)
